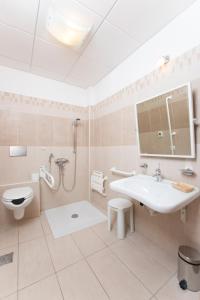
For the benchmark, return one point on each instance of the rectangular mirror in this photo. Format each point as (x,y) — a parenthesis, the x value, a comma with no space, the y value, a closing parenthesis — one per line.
(165,124)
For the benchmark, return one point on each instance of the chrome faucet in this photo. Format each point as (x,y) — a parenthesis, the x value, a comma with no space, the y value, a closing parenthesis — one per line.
(158,174)
(144,166)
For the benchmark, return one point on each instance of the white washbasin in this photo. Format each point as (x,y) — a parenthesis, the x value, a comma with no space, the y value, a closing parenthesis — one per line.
(159,196)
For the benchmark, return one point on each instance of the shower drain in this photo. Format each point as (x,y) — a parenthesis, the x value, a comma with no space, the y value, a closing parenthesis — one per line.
(74,216)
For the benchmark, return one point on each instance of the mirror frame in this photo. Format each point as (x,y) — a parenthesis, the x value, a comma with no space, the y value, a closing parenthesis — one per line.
(191,124)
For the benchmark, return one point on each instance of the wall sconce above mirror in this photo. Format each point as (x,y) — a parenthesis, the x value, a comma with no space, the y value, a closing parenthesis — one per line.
(165,124)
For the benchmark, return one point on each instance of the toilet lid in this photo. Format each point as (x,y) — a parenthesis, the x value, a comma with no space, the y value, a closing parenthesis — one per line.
(17,193)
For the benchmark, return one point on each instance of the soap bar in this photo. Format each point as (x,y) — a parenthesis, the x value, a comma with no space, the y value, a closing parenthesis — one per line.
(183,187)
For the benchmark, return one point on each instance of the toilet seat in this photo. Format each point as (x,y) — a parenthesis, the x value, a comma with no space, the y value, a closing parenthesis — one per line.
(17,193)
(17,200)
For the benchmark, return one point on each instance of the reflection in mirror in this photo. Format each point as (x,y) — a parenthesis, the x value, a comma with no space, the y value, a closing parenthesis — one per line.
(179,122)
(165,124)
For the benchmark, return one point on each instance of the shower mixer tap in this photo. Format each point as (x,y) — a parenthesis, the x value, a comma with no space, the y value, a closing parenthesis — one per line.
(61,161)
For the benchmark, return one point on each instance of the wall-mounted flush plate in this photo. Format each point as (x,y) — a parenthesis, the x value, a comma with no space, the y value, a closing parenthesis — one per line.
(18,151)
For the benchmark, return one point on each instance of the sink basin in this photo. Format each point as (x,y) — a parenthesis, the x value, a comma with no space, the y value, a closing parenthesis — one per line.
(158,196)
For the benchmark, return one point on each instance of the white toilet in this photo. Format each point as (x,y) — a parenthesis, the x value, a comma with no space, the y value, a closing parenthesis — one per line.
(17,199)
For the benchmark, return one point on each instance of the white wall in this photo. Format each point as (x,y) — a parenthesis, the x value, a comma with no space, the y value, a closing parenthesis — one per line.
(27,84)
(180,35)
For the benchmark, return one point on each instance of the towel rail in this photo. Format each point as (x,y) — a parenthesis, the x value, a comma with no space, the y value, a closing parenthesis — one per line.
(115,171)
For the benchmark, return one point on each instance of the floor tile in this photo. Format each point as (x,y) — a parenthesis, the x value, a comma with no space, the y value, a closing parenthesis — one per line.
(102,231)
(79,283)
(88,242)
(64,251)
(30,229)
(34,262)
(116,279)
(150,272)
(8,273)
(8,236)
(45,224)
(172,291)
(11,297)
(153,251)
(46,289)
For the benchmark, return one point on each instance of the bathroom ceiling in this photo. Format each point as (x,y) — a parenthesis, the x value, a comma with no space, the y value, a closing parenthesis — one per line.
(119,28)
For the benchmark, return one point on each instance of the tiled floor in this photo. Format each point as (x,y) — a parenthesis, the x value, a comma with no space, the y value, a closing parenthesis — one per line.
(88,265)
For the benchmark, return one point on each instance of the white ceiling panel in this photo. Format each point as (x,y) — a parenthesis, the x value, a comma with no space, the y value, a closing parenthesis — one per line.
(15,44)
(141,19)
(52,58)
(110,45)
(87,72)
(47,74)
(14,64)
(70,9)
(119,28)
(100,6)
(19,13)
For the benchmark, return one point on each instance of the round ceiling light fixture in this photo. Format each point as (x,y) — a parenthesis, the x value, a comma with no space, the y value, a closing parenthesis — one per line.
(66,30)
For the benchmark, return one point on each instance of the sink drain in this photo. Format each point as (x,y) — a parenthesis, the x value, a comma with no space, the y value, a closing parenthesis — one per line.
(74,216)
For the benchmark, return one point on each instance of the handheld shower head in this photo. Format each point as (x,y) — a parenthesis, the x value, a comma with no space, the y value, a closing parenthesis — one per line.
(75,125)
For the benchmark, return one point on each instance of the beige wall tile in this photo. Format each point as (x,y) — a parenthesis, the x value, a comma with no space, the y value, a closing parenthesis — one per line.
(27,129)
(62,132)
(20,128)
(26,104)
(9,128)
(44,132)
